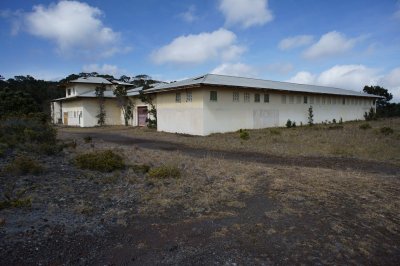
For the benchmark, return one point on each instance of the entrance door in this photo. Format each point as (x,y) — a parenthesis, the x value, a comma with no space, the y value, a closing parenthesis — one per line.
(142,116)
(66,118)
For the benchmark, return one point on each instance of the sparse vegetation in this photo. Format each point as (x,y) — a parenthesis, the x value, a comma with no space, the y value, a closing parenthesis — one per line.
(290,124)
(365,126)
(103,161)
(386,130)
(371,115)
(310,116)
(23,165)
(243,134)
(275,131)
(87,139)
(15,203)
(165,171)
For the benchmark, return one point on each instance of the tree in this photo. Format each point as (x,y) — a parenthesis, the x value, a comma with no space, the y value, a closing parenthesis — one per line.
(125,79)
(310,116)
(102,111)
(380,91)
(124,103)
(146,98)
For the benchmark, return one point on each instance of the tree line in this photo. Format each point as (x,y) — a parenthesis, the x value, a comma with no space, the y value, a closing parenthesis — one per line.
(25,94)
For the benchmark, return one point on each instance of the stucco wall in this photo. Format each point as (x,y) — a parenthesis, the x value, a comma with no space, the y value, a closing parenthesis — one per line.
(180,117)
(91,110)
(74,110)
(79,88)
(225,115)
(203,116)
(136,103)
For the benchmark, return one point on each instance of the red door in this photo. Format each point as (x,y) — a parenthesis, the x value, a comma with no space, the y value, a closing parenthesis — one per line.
(142,115)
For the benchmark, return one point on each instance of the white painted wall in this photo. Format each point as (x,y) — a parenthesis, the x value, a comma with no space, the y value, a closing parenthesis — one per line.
(203,117)
(80,88)
(75,113)
(136,103)
(180,117)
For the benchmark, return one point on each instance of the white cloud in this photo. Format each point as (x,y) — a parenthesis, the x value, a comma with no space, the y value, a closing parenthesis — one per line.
(392,81)
(303,77)
(294,42)
(195,49)
(103,69)
(189,15)
(75,27)
(246,13)
(353,77)
(330,44)
(237,69)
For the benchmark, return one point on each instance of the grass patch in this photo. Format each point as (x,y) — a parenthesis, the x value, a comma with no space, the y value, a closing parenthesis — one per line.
(87,139)
(141,168)
(165,171)
(16,203)
(386,130)
(243,134)
(275,131)
(364,126)
(22,165)
(103,161)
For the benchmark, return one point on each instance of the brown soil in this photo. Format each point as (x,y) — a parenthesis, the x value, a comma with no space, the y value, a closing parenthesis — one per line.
(308,210)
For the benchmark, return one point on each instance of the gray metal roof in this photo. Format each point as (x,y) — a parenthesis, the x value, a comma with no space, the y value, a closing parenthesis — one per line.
(92,80)
(89,94)
(134,92)
(121,83)
(222,80)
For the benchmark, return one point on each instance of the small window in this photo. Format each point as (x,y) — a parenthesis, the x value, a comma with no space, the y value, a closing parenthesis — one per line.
(305,99)
(344,101)
(311,99)
(246,97)
(178,97)
(188,96)
(266,98)
(213,96)
(291,99)
(236,96)
(298,100)
(283,99)
(69,92)
(256,98)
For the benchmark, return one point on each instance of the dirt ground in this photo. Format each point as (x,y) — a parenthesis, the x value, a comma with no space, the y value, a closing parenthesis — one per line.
(233,206)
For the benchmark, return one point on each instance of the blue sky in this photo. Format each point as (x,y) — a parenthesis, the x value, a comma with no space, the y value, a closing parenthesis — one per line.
(338,43)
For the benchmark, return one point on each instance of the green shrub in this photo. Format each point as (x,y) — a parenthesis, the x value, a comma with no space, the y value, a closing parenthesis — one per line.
(165,171)
(335,127)
(141,168)
(371,115)
(103,161)
(15,203)
(87,139)
(22,165)
(290,124)
(386,130)
(365,126)
(341,121)
(244,135)
(334,121)
(275,131)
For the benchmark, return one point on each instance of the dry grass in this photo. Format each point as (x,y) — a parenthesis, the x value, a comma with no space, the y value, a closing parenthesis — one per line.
(319,140)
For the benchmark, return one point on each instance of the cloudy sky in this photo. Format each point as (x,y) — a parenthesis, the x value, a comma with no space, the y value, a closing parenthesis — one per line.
(342,43)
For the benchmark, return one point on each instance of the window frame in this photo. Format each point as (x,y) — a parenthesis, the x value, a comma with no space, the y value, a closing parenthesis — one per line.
(236,97)
(213,96)
(189,96)
(266,97)
(257,98)
(178,97)
(246,97)
(305,99)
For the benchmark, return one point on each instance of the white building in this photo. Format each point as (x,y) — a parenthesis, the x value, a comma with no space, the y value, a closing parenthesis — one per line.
(216,103)
(80,106)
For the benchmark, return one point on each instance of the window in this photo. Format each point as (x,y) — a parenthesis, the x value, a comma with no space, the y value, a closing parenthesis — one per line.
(317,100)
(291,99)
(283,99)
(246,97)
(305,99)
(69,92)
(298,100)
(236,96)
(213,96)
(311,99)
(266,98)
(178,97)
(188,96)
(256,98)
(344,101)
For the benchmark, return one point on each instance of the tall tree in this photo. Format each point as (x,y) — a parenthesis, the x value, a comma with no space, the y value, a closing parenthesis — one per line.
(124,103)
(102,110)
(380,91)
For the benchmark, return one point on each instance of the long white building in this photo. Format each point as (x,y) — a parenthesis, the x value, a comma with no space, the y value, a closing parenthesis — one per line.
(216,103)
